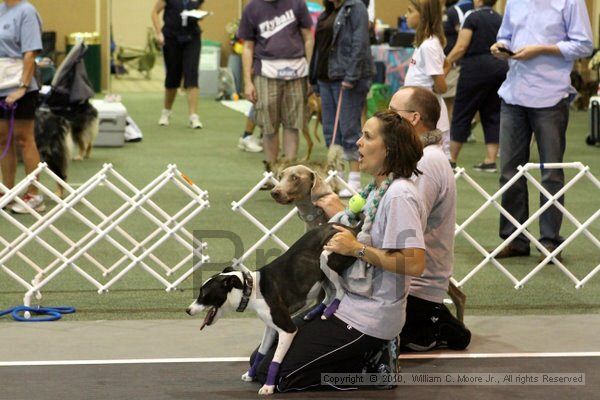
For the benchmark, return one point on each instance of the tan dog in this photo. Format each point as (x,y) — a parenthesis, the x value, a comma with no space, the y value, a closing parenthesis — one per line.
(334,162)
(302,186)
(313,109)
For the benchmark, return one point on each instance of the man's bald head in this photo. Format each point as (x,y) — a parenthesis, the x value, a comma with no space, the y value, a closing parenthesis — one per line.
(415,99)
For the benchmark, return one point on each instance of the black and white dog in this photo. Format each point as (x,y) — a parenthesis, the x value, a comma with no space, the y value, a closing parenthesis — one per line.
(57,129)
(54,143)
(288,284)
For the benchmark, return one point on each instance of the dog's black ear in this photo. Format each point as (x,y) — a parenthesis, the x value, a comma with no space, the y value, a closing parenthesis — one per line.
(233,282)
(228,269)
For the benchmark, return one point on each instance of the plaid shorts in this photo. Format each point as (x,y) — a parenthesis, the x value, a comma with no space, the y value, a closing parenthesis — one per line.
(280,102)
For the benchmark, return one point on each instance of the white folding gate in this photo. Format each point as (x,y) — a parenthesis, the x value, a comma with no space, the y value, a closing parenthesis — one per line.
(134,252)
(494,200)
(490,200)
(167,226)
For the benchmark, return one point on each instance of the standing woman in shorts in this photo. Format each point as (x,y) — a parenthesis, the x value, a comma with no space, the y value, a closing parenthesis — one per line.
(481,76)
(20,38)
(180,40)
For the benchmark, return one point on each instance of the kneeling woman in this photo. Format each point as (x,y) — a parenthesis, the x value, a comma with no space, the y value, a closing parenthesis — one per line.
(389,150)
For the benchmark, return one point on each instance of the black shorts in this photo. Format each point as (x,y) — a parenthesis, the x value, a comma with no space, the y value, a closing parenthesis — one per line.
(25,107)
(181,61)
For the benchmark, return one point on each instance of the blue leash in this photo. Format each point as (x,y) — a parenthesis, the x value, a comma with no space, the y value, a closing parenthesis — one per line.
(53,313)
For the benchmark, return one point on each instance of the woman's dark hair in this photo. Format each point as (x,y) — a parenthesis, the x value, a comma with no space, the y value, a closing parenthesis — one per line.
(329,7)
(489,3)
(403,146)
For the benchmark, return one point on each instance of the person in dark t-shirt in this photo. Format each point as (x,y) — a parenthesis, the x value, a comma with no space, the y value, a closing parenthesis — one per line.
(278,46)
(480,78)
(454,17)
(180,41)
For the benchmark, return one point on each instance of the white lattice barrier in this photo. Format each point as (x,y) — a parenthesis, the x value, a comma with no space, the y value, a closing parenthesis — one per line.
(270,233)
(103,228)
(490,200)
(494,200)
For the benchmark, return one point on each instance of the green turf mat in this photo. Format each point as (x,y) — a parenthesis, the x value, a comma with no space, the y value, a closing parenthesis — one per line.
(211,159)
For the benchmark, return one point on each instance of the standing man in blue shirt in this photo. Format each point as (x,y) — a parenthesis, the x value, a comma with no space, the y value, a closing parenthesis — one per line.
(546,39)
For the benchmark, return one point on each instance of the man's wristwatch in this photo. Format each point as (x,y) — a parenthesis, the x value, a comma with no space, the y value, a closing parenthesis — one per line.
(361,252)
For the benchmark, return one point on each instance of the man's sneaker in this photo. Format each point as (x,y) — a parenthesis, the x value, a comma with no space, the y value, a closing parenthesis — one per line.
(558,256)
(485,167)
(511,251)
(195,122)
(35,202)
(249,144)
(385,361)
(164,117)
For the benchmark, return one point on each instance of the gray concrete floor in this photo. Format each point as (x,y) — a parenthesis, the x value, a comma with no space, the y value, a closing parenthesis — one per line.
(231,337)
(216,381)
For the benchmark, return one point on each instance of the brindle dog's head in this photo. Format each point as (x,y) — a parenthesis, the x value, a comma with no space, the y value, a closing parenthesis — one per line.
(299,183)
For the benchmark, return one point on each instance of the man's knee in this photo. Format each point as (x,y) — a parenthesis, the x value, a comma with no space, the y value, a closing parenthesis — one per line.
(431,325)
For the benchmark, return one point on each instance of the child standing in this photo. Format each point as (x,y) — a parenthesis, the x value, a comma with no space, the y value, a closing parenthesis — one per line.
(427,64)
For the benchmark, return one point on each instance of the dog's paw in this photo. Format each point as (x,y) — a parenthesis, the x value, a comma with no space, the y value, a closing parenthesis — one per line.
(315,312)
(266,390)
(78,158)
(247,378)
(331,309)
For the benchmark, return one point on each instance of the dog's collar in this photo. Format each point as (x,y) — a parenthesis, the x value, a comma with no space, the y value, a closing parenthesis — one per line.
(246,292)
(311,217)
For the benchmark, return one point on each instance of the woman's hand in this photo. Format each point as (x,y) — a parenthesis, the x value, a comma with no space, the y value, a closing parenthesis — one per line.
(347,85)
(160,39)
(343,242)
(15,95)
(331,204)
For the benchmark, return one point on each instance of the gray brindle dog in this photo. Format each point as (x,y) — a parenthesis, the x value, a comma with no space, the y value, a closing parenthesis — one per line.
(302,186)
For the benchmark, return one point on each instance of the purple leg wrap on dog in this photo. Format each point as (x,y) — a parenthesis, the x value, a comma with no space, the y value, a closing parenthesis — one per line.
(257,360)
(315,312)
(273,372)
(332,308)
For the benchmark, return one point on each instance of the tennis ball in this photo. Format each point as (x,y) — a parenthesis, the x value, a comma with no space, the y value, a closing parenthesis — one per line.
(356,203)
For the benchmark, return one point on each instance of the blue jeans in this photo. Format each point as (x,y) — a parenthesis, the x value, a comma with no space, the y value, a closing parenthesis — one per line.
(353,103)
(549,125)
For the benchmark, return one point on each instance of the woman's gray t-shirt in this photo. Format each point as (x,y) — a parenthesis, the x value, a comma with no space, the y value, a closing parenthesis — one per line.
(20,32)
(399,224)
